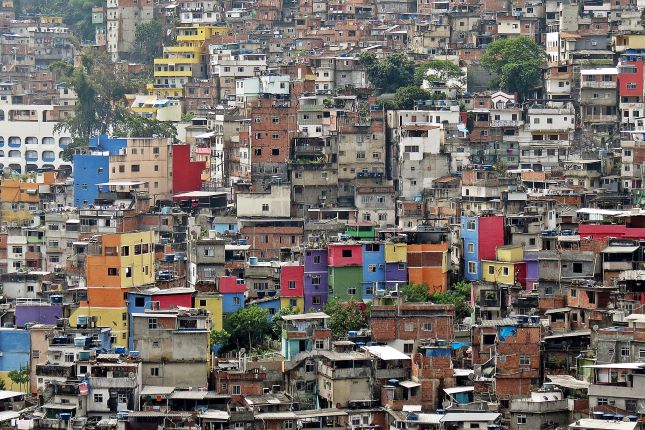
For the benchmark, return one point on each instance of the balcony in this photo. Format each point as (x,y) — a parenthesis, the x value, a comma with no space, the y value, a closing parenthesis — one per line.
(617,265)
(33,255)
(308,149)
(113,382)
(599,118)
(336,373)
(506,123)
(532,407)
(598,84)
(394,373)
(632,105)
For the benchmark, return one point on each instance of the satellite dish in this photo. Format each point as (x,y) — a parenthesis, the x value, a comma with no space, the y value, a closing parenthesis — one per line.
(595,327)
(242,350)
(471,376)
(132,375)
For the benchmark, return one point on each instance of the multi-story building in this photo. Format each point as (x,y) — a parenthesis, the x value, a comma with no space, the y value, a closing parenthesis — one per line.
(174,346)
(122,19)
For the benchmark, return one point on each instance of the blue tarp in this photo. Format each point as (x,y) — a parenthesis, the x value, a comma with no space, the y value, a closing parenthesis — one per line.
(506,331)
(460,345)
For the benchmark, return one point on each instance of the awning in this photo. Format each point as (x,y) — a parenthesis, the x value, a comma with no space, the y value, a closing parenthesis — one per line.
(409,384)
(557,311)
(620,249)
(120,184)
(455,390)
(65,406)
(386,353)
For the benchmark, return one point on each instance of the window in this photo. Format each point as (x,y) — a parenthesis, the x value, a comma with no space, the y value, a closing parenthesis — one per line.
(275,136)
(631,405)
(521,419)
(316,259)
(408,348)
(236,301)
(135,168)
(275,151)
(98,398)
(319,344)
(122,398)
(292,285)
(236,390)
(505,271)
(316,300)
(351,291)
(472,268)
(491,270)
(470,225)
(401,266)
(371,267)
(35,354)
(577,267)
(470,247)
(265,207)
(574,292)
(347,253)
(641,353)
(125,251)
(288,424)
(113,271)
(315,279)
(624,351)
(408,327)
(525,361)
(602,401)
(360,155)
(152,323)
(69,357)
(154,371)
(427,327)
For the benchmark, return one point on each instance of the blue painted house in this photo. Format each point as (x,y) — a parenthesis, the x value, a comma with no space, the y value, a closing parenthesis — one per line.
(232,291)
(94,167)
(15,346)
(271,304)
(373,269)
(481,236)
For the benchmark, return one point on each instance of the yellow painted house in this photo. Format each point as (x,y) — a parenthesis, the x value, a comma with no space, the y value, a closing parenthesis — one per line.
(115,318)
(294,302)
(396,252)
(182,62)
(508,268)
(213,304)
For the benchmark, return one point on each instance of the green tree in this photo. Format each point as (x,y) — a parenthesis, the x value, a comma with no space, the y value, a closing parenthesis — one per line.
(344,316)
(387,74)
(277,319)
(149,38)
(101,106)
(19,377)
(415,293)
(133,125)
(76,14)
(458,295)
(248,327)
(439,70)
(220,337)
(518,62)
(404,97)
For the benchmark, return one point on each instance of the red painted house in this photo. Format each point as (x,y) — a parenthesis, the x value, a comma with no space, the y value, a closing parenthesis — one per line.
(187,174)
(174,298)
(345,255)
(292,281)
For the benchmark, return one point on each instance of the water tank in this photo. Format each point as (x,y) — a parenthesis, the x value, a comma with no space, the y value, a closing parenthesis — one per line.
(120,350)
(134,354)
(253,261)
(56,300)
(169,258)
(65,416)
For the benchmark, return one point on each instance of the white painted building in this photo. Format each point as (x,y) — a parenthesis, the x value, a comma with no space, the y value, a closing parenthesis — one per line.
(28,140)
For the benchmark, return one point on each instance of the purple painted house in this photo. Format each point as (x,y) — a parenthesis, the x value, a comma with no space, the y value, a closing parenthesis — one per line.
(42,313)
(316,286)
(532,269)
(395,273)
